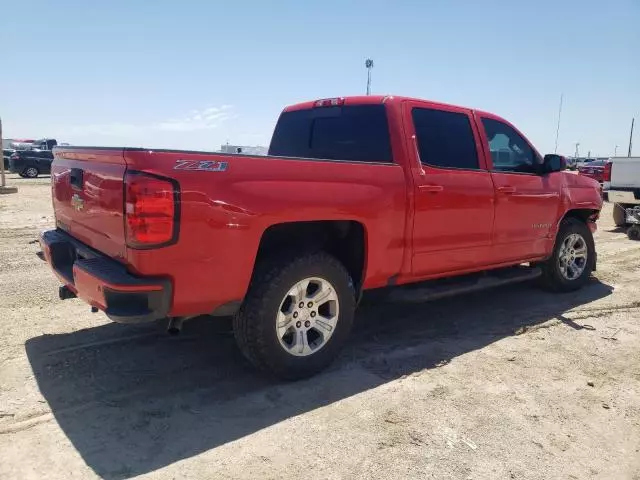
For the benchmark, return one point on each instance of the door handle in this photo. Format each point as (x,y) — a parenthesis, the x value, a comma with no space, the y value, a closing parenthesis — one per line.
(75,178)
(508,189)
(431,188)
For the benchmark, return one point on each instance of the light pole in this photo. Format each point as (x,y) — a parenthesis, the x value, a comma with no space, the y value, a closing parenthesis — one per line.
(615,151)
(369,64)
(558,127)
(633,120)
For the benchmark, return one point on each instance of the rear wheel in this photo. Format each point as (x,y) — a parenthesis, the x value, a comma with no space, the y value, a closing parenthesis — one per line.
(31,172)
(573,257)
(297,315)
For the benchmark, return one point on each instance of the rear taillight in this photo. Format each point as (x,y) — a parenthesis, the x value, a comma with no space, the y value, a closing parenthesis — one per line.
(151,210)
(606,175)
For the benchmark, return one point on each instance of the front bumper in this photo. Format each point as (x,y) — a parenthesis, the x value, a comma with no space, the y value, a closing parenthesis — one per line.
(104,283)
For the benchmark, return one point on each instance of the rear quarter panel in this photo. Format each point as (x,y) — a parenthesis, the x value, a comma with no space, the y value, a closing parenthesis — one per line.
(224,215)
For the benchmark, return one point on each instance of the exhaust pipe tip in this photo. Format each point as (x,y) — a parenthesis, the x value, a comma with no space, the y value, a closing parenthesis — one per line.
(175,326)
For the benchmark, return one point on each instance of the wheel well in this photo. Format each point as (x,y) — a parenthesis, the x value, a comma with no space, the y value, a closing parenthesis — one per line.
(582,214)
(343,239)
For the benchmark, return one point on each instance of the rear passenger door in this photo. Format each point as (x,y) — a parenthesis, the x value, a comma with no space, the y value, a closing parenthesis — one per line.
(453,191)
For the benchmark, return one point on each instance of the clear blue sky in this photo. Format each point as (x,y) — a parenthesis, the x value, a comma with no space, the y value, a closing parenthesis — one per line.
(193,74)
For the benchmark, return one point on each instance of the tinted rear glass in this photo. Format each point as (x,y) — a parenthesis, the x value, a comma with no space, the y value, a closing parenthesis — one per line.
(357,133)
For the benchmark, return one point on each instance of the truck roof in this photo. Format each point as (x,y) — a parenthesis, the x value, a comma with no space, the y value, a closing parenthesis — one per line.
(382,99)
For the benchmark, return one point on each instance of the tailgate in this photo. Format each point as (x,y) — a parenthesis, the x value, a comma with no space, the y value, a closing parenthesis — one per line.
(88,196)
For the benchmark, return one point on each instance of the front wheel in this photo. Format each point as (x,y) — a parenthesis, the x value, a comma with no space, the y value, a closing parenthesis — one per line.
(296,316)
(573,257)
(31,172)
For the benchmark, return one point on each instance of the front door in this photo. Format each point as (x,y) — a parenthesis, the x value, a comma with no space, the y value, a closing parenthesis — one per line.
(453,191)
(527,202)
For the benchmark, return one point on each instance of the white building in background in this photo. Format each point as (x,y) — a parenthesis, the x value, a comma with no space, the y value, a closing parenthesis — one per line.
(243,149)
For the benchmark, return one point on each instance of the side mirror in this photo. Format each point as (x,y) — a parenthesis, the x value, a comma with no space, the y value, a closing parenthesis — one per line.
(553,163)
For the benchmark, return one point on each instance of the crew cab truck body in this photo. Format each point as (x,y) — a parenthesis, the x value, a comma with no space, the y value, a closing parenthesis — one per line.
(357,193)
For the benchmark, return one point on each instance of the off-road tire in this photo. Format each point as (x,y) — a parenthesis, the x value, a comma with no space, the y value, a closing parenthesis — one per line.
(634,232)
(254,325)
(619,214)
(552,278)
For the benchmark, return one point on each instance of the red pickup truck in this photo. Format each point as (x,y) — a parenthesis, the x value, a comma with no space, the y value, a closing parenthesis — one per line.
(356,193)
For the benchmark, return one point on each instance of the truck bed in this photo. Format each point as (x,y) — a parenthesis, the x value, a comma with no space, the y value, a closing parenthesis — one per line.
(225,204)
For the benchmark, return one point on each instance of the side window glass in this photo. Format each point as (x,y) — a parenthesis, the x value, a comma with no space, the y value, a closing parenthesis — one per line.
(445,139)
(509,151)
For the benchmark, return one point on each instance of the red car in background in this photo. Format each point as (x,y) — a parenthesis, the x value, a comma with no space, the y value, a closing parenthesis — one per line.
(593,170)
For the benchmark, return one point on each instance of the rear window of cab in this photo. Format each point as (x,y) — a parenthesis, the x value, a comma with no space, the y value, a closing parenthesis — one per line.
(354,133)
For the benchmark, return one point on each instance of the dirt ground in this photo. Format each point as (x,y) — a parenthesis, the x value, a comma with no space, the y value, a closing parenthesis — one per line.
(506,384)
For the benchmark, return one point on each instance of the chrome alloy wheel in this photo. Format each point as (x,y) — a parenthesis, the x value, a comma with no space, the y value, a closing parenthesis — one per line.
(307,317)
(572,258)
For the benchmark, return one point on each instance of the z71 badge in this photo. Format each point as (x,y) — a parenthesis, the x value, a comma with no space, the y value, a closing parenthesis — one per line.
(202,166)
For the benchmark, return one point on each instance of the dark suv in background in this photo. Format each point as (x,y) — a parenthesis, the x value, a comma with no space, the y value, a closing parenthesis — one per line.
(10,145)
(35,160)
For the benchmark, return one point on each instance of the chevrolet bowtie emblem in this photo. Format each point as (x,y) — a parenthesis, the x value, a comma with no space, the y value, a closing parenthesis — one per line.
(77,202)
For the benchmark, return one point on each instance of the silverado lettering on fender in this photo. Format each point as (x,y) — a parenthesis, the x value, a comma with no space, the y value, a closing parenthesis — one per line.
(357,193)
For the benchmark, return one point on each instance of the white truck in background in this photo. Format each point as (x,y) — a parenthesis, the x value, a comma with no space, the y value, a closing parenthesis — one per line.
(622,188)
